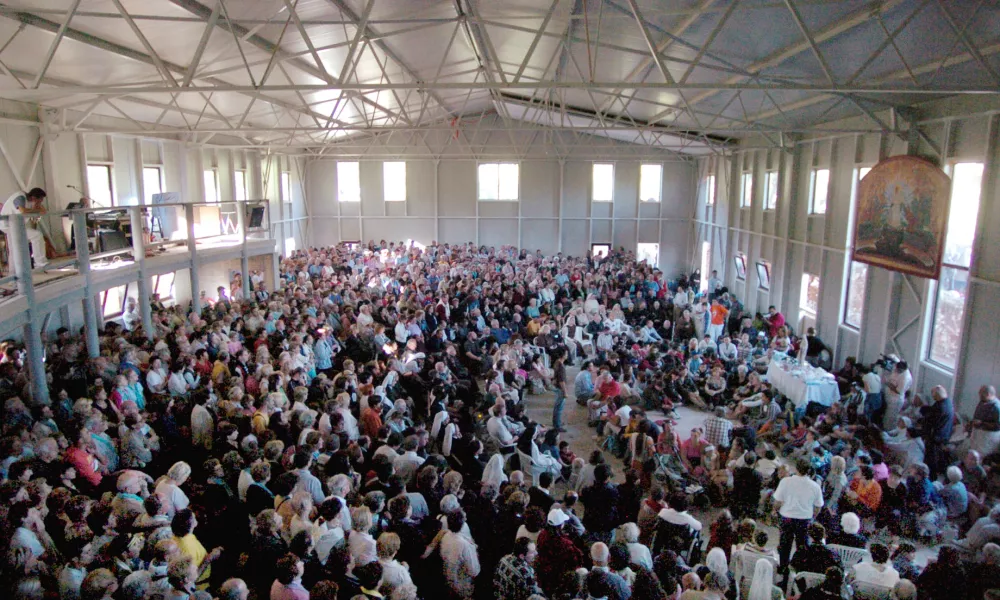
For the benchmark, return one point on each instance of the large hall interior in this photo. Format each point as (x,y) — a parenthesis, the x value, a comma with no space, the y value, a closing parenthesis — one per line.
(506,300)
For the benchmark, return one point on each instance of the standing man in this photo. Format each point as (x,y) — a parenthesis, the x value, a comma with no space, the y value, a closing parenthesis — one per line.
(897,384)
(984,429)
(562,389)
(714,284)
(939,420)
(775,321)
(798,500)
(28,204)
(515,575)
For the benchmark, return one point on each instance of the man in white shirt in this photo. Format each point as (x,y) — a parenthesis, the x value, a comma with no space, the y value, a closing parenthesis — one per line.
(728,351)
(678,514)
(460,558)
(649,335)
(406,464)
(28,204)
(879,570)
(329,533)
(798,499)
(897,383)
(497,427)
(131,318)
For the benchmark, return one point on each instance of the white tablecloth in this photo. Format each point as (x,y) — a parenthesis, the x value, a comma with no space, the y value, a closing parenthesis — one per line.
(803,383)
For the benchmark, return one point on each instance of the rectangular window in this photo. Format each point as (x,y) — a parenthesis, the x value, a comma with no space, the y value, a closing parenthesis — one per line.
(949,304)
(101,185)
(809,294)
(603,186)
(856,284)
(710,184)
(211,186)
(706,265)
(394,181)
(649,254)
(286,186)
(152,182)
(240,190)
(740,260)
(819,188)
(771,190)
(499,181)
(164,285)
(600,250)
(746,198)
(764,275)
(650,182)
(348,182)
(289,247)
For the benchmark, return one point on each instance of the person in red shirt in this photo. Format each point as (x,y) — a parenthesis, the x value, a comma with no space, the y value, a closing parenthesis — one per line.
(717,325)
(86,465)
(775,320)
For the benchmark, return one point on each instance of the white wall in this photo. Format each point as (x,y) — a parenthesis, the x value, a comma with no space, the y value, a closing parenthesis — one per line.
(898,308)
(554,214)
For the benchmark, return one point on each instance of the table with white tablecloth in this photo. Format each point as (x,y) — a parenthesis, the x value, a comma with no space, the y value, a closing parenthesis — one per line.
(802,383)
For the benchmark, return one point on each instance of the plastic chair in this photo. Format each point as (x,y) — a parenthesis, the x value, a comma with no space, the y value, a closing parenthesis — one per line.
(528,467)
(871,591)
(584,339)
(742,565)
(849,556)
(804,581)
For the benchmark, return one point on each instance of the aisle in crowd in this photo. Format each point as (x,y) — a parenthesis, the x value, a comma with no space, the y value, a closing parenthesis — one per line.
(465,422)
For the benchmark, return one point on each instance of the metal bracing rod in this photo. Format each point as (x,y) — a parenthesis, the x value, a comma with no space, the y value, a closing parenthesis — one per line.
(157,62)
(809,38)
(708,41)
(653,51)
(349,64)
(890,39)
(305,37)
(535,40)
(376,38)
(491,54)
(55,44)
(963,36)
(199,51)
(437,73)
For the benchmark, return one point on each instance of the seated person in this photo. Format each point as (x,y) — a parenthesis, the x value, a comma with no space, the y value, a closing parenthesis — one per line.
(876,571)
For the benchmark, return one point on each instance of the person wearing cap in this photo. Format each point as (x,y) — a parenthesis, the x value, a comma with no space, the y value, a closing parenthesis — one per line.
(557,554)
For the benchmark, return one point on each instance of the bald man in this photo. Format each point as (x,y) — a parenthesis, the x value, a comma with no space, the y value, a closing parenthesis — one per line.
(984,429)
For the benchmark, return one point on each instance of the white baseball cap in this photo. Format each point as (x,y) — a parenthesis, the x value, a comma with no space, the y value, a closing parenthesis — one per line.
(557,517)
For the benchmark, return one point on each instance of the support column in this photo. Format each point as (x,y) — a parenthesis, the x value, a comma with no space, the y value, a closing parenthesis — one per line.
(90,308)
(21,257)
(241,221)
(139,256)
(193,251)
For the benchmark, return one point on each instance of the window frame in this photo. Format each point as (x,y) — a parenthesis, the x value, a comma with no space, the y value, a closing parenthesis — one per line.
(763,264)
(659,183)
(215,178)
(813,177)
(341,197)
(593,187)
(159,178)
(807,279)
(746,190)
(957,268)
(768,175)
(285,186)
(847,295)
(740,260)
(238,176)
(710,184)
(110,169)
(385,179)
(498,164)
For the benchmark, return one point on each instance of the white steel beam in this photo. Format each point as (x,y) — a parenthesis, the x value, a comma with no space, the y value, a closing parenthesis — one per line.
(55,44)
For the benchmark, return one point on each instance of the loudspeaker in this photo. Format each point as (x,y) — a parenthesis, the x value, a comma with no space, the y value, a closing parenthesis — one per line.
(256,217)
(112,240)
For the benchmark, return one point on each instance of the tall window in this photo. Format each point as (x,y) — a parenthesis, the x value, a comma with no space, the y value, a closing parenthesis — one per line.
(286,186)
(211,186)
(706,264)
(603,188)
(809,294)
(710,184)
(857,281)
(819,188)
(764,275)
(949,306)
(747,193)
(348,182)
(740,260)
(101,185)
(650,182)
(152,182)
(499,181)
(394,181)
(771,190)
(648,253)
(240,191)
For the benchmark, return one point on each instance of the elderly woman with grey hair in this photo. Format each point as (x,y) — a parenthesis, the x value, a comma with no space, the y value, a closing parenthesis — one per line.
(169,487)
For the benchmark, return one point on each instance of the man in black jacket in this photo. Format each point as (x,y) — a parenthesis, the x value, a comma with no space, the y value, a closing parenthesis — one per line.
(601,503)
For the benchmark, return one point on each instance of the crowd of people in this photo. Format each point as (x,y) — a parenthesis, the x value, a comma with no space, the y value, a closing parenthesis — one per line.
(362,431)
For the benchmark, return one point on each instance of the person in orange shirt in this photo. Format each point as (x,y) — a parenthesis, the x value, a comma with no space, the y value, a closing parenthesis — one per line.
(719,315)
(864,493)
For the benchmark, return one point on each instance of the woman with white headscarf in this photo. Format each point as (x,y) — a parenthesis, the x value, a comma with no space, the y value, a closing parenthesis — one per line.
(350,422)
(397,419)
(444,432)
(762,587)
(493,473)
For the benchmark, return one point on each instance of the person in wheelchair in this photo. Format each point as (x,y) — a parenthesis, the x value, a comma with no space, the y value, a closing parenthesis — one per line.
(677,529)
